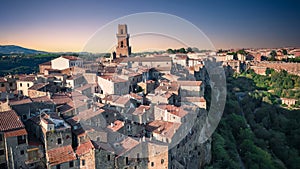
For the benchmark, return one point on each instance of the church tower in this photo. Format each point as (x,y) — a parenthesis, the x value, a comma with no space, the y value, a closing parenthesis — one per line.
(123,49)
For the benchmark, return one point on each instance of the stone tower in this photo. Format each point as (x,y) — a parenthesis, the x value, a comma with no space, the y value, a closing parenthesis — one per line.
(123,49)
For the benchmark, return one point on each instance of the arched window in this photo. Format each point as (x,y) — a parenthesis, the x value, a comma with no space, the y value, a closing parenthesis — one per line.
(122,44)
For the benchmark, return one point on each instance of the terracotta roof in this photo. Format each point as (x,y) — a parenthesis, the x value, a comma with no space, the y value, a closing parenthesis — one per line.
(193,99)
(37,86)
(136,96)
(117,125)
(9,120)
(173,110)
(126,145)
(141,110)
(147,59)
(18,102)
(61,155)
(166,129)
(71,57)
(27,78)
(84,148)
(122,100)
(114,79)
(189,83)
(15,133)
(172,87)
(61,98)
(89,113)
(41,99)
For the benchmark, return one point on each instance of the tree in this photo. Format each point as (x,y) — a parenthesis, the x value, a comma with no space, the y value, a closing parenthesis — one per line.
(170,51)
(273,54)
(181,50)
(284,51)
(189,50)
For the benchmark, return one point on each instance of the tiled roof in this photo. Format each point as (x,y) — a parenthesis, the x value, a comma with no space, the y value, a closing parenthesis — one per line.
(141,110)
(15,133)
(102,145)
(136,96)
(27,78)
(61,99)
(84,148)
(173,110)
(9,120)
(117,125)
(164,128)
(126,145)
(89,113)
(18,102)
(61,155)
(71,57)
(147,59)
(41,99)
(189,83)
(37,86)
(193,99)
(122,100)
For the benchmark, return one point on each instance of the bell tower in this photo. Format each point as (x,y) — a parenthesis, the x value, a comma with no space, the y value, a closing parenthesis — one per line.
(123,49)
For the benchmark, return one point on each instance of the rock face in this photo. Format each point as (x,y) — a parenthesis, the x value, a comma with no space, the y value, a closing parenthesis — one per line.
(190,153)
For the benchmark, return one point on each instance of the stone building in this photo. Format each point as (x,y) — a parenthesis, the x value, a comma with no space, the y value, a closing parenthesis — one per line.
(13,141)
(62,158)
(123,48)
(86,155)
(113,85)
(24,83)
(65,62)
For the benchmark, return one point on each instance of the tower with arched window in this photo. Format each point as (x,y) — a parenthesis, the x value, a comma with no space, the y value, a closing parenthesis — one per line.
(123,49)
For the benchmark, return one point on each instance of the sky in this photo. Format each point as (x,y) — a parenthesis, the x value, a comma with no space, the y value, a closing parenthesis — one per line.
(70,24)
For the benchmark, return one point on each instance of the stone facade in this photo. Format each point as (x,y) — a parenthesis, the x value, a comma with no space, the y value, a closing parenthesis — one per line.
(123,48)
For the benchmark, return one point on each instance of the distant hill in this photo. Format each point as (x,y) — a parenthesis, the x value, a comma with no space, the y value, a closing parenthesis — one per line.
(12,49)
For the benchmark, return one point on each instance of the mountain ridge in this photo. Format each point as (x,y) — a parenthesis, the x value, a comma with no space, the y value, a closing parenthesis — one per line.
(14,49)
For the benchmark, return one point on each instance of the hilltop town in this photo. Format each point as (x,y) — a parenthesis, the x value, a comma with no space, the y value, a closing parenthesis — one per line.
(118,112)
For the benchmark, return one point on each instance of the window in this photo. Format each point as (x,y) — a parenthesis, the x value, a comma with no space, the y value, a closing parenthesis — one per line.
(59,141)
(24,116)
(20,84)
(1,137)
(58,166)
(10,84)
(162,161)
(81,139)
(126,160)
(1,152)
(108,157)
(22,152)
(71,164)
(27,84)
(67,137)
(83,162)
(152,164)
(2,84)
(21,140)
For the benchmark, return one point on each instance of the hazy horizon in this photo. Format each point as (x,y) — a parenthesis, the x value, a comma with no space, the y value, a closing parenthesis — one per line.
(56,26)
